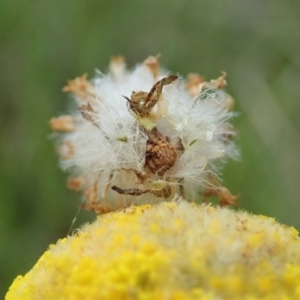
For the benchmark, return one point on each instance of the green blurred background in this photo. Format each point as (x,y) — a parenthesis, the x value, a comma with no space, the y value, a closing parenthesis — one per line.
(43,43)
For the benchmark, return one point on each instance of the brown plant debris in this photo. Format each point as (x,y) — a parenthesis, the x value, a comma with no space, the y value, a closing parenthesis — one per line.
(152,62)
(66,150)
(79,87)
(117,67)
(76,184)
(225,196)
(193,83)
(88,114)
(62,124)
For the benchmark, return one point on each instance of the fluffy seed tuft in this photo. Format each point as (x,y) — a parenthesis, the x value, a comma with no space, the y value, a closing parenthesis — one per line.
(144,135)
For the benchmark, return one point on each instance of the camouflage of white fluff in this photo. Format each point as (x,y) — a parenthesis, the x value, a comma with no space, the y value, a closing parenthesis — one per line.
(195,121)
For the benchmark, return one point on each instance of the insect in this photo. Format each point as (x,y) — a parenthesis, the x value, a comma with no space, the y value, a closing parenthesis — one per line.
(160,154)
(142,103)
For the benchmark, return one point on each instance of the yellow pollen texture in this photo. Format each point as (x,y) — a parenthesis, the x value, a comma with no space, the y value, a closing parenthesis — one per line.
(171,250)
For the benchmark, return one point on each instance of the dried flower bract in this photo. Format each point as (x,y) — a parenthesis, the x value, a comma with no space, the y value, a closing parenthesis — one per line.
(144,135)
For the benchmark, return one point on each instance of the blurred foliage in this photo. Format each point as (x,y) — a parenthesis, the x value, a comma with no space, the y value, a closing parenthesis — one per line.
(43,43)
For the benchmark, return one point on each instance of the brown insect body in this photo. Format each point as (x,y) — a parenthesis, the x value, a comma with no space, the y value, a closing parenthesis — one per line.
(160,155)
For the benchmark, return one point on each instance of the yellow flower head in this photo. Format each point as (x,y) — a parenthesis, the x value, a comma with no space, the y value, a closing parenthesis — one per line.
(171,250)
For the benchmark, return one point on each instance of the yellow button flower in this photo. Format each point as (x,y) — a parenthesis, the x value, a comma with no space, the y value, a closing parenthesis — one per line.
(171,250)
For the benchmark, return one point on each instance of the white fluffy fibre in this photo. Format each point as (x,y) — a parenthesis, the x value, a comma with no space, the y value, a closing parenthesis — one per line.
(107,142)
